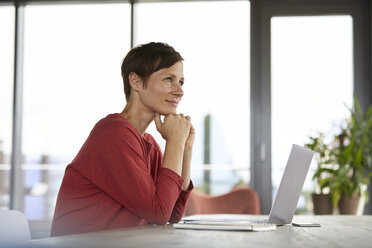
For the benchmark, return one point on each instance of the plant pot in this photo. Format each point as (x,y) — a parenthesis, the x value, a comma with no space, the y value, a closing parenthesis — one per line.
(348,205)
(322,204)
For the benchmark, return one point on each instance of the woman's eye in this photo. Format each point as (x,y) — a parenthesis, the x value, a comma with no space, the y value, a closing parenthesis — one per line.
(168,80)
(180,83)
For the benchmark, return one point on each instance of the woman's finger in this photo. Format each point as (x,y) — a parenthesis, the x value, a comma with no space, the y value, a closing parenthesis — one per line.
(158,122)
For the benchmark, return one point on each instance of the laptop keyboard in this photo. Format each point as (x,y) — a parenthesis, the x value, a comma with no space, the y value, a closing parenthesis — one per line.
(227,224)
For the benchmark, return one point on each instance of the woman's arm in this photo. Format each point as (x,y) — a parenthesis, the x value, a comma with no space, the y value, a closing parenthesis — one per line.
(175,130)
(187,187)
(187,155)
(172,155)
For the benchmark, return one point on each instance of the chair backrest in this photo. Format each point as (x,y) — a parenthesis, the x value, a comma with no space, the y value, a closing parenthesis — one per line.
(14,227)
(240,200)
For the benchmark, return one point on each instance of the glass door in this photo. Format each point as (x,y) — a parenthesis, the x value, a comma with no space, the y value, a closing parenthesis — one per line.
(311,82)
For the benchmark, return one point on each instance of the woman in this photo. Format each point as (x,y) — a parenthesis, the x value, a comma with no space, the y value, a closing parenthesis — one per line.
(119,178)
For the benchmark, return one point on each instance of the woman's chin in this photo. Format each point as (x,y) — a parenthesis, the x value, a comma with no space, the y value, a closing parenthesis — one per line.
(168,112)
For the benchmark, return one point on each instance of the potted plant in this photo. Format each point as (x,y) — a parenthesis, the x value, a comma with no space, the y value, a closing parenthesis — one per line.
(321,198)
(350,155)
(345,164)
(353,155)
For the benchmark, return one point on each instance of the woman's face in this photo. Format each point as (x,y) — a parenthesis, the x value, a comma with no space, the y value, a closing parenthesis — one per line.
(164,91)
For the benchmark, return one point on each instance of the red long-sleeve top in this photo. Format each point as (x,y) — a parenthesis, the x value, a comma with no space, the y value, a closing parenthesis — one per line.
(117,180)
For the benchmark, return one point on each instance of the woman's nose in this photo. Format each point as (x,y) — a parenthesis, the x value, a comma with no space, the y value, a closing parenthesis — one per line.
(178,90)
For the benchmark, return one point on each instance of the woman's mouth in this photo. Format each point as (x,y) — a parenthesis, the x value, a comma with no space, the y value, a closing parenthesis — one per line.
(172,102)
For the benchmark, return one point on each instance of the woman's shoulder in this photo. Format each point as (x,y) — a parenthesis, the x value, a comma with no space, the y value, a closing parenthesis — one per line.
(114,120)
(114,123)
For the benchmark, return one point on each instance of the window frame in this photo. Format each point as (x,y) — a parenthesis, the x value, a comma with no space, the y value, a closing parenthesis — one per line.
(261,13)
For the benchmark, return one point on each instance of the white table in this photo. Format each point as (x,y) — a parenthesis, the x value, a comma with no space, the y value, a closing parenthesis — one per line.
(336,231)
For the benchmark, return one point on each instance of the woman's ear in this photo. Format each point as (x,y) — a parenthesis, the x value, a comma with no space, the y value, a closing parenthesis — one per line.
(135,81)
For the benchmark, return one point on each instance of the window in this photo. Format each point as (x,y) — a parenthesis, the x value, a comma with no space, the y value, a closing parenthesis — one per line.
(216,67)
(71,80)
(311,82)
(6,99)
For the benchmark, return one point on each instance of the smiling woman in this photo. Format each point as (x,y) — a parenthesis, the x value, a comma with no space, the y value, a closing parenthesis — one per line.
(163,89)
(160,77)
(119,178)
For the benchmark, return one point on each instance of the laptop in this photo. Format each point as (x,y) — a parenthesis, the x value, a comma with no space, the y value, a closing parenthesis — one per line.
(282,210)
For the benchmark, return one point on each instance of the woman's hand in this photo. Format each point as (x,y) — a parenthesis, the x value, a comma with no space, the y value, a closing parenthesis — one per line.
(179,134)
(187,154)
(176,128)
(191,138)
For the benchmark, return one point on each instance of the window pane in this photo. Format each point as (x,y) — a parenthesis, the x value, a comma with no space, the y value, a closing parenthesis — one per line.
(72,79)
(213,38)
(6,99)
(312,79)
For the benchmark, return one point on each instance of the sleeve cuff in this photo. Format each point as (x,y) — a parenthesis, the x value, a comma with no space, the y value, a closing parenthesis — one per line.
(191,187)
(173,175)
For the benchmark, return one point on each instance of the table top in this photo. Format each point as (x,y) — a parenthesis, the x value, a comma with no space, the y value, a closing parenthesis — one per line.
(335,231)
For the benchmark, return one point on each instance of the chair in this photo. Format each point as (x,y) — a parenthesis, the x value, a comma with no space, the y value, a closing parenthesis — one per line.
(14,228)
(240,200)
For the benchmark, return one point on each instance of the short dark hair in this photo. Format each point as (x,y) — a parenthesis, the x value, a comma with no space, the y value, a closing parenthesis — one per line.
(146,59)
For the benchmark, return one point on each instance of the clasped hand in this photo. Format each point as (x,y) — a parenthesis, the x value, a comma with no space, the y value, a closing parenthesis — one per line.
(176,127)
